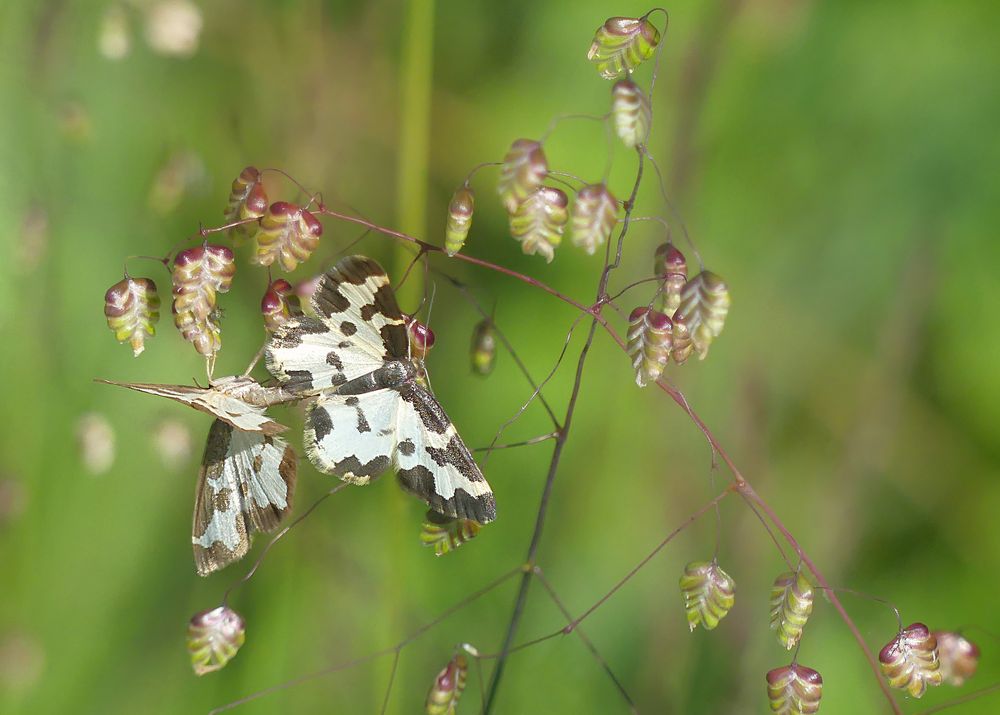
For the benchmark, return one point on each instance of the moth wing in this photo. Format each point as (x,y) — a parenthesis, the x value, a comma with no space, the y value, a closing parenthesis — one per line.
(356,299)
(433,462)
(308,355)
(352,436)
(246,483)
(212,401)
(359,326)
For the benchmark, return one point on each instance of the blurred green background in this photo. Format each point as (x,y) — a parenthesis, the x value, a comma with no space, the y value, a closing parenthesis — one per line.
(836,162)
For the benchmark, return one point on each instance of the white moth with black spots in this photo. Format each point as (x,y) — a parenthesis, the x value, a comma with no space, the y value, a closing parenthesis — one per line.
(369,413)
(246,484)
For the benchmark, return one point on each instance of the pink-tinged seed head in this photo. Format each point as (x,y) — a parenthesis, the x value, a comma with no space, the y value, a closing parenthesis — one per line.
(271,302)
(223,253)
(256,200)
(312,224)
(282,209)
(658,320)
(637,313)
(420,334)
(281,286)
(189,256)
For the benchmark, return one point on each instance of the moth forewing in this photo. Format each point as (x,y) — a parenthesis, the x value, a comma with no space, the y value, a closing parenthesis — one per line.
(246,484)
(238,401)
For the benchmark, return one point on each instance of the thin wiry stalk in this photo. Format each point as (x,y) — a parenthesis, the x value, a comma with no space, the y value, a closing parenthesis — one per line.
(346,665)
(536,537)
(589,644)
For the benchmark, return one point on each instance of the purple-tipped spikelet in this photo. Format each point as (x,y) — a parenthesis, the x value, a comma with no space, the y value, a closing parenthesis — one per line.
(132,307)
(705,304)
(621,44)
(448,686)
(670,265)
(483,351)
(247,200)
(594,214)
(460,210)
(523,171)
(288,234)
(421,338)
(279,304)
(632,114)
(959,657)
(446,534)
(198,275)
(650,338)
(794,690)
(683,345)
(709,594)
(213,638)
(910,660)
(791,605)
(539,221)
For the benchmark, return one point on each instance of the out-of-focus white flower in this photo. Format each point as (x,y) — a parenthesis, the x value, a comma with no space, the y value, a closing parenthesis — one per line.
(173,27)
(22,660)
(182,173)
(173,443)
(13,500)
(115,38)
(95,440)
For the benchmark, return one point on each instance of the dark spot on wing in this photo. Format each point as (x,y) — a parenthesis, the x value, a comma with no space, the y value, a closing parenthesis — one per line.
(258,462)
(333,359)
(456,454)
(327,299)
(352,400)
(406,447)
(427,408)
(345,344)
(419,481)
(348,328)
(321,423)
(363,425)
(290,334)
(220,500)
(369,469)
(368,311)
(299,379)
(385,301)
(394,339)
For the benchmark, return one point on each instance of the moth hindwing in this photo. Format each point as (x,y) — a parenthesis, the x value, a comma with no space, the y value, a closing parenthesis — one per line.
(370,414)
(246,484)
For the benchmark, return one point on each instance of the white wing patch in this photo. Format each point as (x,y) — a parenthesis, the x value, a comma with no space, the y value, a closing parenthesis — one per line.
(308,355)
(352,436)
(246,483)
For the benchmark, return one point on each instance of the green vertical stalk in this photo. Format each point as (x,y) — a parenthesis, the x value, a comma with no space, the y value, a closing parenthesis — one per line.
(416,70)
(416,85)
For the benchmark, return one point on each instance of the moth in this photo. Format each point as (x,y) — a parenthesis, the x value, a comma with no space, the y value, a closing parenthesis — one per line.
(247,476)
(367,412)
